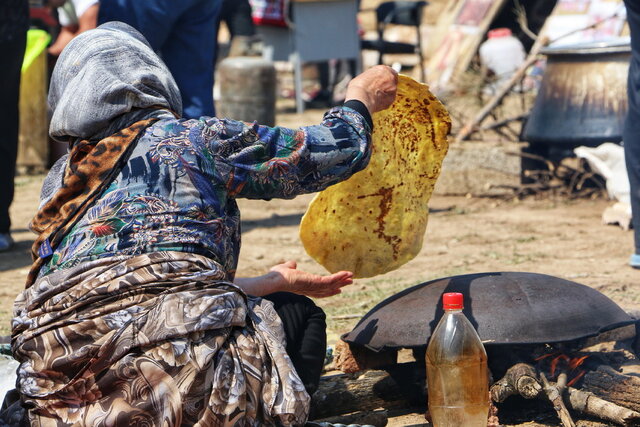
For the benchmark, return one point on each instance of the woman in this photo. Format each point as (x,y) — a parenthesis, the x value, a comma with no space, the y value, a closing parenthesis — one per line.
(132,313)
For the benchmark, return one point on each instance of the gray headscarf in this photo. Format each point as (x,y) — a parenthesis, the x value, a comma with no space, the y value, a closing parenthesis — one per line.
(101,81)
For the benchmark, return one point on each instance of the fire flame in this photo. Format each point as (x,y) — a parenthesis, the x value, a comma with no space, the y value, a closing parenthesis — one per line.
(570,364)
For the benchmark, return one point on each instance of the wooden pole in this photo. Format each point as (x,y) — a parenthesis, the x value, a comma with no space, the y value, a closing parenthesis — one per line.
(469,128)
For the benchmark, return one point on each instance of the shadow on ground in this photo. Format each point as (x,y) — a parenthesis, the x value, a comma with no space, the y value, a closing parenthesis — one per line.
(273,221)
(17,257)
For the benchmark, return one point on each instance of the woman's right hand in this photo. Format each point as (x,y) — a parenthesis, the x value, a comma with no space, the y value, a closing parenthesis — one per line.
(312,285)
(375,88)
(286,277)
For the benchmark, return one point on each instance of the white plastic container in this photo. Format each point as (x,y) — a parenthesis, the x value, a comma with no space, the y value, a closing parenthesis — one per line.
(502,53)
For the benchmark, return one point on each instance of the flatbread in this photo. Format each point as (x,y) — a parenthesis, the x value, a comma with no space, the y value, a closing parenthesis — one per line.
(376,220)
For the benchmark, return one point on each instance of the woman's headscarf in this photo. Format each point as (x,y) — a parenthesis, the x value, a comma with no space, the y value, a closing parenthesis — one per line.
(107,87)
(101,81)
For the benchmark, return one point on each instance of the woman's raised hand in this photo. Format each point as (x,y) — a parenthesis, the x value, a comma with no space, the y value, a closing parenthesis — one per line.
(375,88)
(311,285)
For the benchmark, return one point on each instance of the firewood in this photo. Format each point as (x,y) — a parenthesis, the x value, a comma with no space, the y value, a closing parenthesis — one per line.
(520,379)
(402,386)
(554,394)
(590,404)
(607,383)
(352,358)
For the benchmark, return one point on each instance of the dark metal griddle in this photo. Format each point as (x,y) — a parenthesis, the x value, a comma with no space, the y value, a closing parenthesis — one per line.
(504,307)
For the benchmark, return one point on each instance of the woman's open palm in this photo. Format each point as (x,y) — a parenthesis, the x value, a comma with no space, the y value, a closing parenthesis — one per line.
(311,285)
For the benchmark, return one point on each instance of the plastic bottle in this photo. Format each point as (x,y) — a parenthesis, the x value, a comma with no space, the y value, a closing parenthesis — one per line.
(457,374)
(502,53)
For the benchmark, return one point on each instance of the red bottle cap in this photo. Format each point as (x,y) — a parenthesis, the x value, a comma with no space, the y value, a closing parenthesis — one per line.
(452,301)
(499,32)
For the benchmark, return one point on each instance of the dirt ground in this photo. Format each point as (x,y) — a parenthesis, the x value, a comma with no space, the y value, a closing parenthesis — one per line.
(465,235)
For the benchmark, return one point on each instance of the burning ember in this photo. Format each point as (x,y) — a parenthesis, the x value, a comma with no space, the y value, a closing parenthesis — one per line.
(563,363)
(605,372)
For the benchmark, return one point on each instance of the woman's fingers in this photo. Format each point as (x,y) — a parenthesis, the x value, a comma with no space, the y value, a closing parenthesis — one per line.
(290,279)
(340,278)
(313,285)
(287,264)
(326,286)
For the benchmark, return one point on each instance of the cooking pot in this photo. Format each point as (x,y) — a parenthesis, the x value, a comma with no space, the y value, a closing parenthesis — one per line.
(583,95)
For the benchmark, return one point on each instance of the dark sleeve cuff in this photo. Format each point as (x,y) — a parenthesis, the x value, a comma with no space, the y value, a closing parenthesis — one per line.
(358,106)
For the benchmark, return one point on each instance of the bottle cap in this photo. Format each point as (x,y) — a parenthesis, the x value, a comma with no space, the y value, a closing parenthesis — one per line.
(499,32)
(452,301)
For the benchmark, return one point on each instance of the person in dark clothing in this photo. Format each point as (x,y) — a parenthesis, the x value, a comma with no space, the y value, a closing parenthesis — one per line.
(184,35)
(631,133)
(236,14)
(14,23)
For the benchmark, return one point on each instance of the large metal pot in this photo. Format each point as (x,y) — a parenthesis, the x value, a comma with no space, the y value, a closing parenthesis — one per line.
(582,98)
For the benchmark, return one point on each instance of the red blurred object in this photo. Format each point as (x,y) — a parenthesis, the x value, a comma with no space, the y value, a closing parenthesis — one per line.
(499,32)
(270,12)
(43,15)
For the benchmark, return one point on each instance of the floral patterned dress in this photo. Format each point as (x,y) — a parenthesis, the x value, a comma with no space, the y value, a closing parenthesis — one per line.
(177,191)
(134,319)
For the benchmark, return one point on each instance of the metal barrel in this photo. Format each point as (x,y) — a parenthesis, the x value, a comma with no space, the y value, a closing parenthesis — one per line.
(247,90)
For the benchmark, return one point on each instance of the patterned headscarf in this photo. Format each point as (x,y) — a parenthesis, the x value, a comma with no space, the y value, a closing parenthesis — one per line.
(102,81)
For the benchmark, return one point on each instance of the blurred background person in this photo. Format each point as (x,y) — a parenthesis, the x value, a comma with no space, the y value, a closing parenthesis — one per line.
(236,14)
(14,23)
(184,34)
(631,133)
(75,17)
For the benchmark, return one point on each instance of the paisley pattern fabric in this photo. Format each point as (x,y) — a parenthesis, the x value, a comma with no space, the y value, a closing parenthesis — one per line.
(91,167)
(153,340)
(178,188)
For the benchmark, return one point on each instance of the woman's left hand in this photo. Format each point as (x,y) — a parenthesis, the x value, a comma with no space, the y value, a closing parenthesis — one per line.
(312,285)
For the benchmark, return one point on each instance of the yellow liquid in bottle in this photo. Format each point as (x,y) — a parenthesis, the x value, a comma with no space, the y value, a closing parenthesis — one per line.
(458,386)
(459,396)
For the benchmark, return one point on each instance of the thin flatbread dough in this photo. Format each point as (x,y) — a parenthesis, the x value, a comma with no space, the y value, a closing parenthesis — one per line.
(376,220)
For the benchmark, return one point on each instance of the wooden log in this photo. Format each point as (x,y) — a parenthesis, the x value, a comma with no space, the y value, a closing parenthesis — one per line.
(554,394)
(588,403)
(520,379)
(608,384)
(402,386)
(470,127)
(352,358)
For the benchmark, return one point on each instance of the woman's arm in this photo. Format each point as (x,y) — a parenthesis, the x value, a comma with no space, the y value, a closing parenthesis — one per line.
(286,277)
(87,21)
(65,35)
(264,162)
